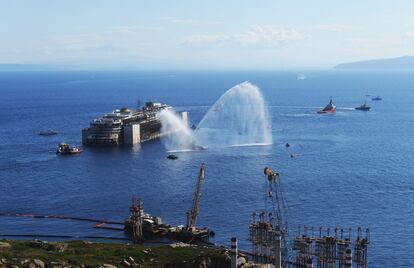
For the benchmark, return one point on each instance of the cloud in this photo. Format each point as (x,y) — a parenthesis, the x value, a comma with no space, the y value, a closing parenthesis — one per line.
(258,35)
(76,41)
(133,29)
(373,42)
(185,21)
(191,22)
(408,37)
(113,39)
(409,34)
(269,36)
(332,27)
(203,40)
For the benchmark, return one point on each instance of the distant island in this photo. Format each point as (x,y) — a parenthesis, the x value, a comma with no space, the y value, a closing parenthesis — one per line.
(406,62)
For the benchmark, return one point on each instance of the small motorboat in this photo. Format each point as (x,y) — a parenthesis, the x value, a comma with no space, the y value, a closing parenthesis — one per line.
(287,145)
(172,156)
(49,132)
(377,98)
(363,107)
(301,77)
(330,108)
(65,149)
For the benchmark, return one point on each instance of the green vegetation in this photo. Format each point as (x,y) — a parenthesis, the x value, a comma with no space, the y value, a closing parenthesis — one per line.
(86,254)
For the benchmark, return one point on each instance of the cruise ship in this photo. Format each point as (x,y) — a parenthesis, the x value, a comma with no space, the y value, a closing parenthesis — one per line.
(125,126)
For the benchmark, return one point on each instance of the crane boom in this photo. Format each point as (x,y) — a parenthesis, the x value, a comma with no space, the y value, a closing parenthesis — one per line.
(275,195)
(193,213)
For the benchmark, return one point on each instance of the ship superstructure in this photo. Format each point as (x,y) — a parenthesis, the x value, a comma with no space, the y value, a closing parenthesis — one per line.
(125,126)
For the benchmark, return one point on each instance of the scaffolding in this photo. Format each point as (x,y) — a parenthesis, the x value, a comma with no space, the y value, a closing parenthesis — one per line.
(136,216)
(331,249)
(266,240)
(271,244)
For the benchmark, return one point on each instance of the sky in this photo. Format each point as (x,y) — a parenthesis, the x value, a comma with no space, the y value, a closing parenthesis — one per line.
(225,34)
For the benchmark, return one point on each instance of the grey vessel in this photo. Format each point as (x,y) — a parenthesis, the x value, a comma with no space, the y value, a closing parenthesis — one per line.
(125,126)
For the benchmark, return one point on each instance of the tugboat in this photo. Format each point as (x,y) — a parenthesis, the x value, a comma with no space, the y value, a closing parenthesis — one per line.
(64,149)
(363,107)
(377,98)
(330,108)
(49,132)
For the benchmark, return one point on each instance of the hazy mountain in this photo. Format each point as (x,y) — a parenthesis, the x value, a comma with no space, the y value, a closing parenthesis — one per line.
(24,67)
(406,62)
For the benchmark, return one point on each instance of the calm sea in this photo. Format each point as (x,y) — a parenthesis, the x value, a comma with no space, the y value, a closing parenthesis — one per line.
(351,169)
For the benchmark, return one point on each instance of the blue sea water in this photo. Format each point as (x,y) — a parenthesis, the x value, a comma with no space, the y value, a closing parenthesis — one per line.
(351,169)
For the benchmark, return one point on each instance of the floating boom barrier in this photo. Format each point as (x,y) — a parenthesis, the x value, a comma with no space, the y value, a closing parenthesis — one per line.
(99,224)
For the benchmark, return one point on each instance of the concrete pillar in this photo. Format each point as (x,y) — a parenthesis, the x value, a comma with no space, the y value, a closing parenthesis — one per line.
(233,252)
(348,258)
(278,251)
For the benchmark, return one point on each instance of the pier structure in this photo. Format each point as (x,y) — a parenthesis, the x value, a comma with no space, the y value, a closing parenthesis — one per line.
(312,247)
(331,248)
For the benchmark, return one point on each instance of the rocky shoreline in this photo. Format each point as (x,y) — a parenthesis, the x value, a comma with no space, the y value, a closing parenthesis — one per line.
(82,254)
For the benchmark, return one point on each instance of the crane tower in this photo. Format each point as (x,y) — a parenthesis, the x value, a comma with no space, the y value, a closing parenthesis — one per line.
(193,213)
(269,234)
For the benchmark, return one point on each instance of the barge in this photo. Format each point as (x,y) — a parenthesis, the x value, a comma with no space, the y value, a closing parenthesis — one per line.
(125,126)
(142,226)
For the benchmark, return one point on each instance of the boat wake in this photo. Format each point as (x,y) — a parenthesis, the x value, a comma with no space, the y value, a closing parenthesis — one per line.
(182,151)
(251,144)
(297,115)
(346,108)
(294,107)
(197,149)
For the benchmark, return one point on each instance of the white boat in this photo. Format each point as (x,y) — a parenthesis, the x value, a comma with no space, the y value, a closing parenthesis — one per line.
(49,132)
